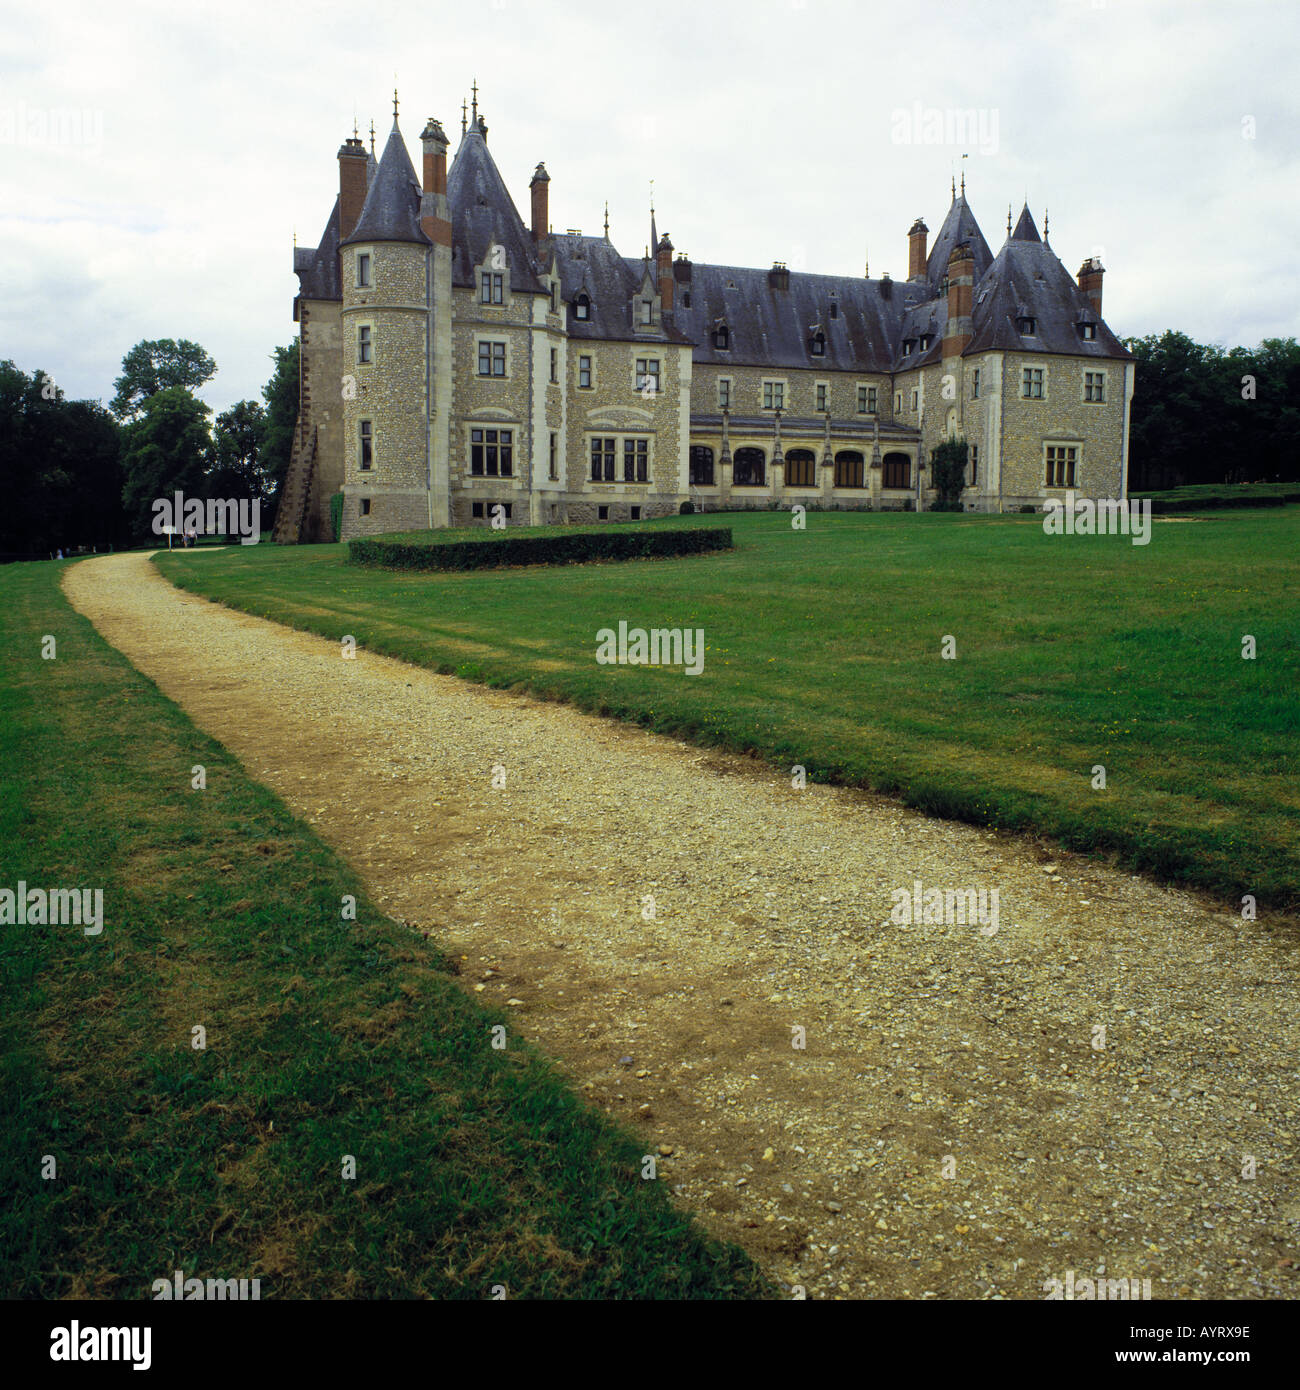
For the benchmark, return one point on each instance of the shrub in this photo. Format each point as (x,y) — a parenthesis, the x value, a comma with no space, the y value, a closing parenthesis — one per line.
(686,509)
(560,549)
(336,515)
(948,473)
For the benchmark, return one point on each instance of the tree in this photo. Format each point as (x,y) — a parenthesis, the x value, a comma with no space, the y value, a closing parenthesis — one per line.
(168,449)
(948,474)
(281,417)
(157,365)
(237,443)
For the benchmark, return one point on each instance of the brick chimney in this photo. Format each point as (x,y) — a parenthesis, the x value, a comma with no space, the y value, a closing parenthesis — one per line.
(1090,273)
(435,217)
(961,285)
(682,268)
(778,278)
(664,264)
(916,239)
(352,184)
(540,188)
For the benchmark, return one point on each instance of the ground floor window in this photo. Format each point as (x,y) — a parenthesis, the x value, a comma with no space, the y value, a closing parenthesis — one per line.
(800,468)
(701,459)
(1061,459)
(748,468)
(897,470)
(602,460)
(636,460)
(849,469)
(488,509)
(491,453)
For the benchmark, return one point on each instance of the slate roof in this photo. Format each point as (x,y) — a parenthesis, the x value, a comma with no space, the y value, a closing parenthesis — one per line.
(1027,278)
(391,211)
(959,225)
(484,215)
(771,327)
(317,268)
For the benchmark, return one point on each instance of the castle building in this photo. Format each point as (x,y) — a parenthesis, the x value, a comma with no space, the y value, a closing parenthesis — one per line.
(454,358)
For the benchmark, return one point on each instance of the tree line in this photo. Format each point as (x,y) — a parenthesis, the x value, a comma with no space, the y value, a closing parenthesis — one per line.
(79,475)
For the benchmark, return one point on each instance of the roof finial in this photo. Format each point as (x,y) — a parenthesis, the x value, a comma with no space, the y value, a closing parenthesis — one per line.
(356,134)
(954,188)
(866,264)
(1044,222)
(474,106)
(963,179)
(606,219)
(1008,219)
(394,98)
(372,137)
(464,118)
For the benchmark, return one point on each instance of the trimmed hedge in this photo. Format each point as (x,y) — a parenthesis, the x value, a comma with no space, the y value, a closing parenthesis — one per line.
(564,548)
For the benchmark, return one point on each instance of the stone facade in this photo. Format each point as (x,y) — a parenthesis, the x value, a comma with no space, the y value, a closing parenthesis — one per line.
(481,363)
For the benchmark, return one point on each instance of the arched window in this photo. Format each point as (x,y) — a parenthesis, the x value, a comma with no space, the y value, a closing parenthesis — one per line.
(749,466)
(800,468)
(582,307)
(722,338)
(701,465)
(848,469)
(897,470)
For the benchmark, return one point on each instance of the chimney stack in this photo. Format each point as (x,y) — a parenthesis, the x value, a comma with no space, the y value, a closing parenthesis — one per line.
(664,264)
(435,217)
(778,278)
(1090,273)
(961,287)
(540,188)
(352,184)
(916,239)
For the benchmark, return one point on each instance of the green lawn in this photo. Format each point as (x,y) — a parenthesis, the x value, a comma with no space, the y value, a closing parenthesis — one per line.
(325,1037)
(823,649)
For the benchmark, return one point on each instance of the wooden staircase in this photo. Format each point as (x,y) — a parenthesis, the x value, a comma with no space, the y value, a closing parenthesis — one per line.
(295,496)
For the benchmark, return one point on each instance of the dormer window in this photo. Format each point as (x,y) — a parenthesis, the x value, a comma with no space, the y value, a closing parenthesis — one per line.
(722,338)
(817,345)
(835,309)
(1088,332)
(1026,326)
(493,287)
(647,312)
(686,299)
(582,307)
(925,341)
(907,346)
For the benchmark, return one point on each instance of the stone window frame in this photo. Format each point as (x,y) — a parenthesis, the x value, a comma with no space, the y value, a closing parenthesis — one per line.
(368,282)
(975,384)
(774,382)
(620,439)
(363,506)
(865,390)
(898,402)
(818,388)
(657,374)
(1076,463)
(1027,395)
(364,438)
(555,365)
(974,466)
(504,276)
(553,468)
(367,327)
(916,401)
(804,455)
(1102,374)
(509,427)
(582,302)
(590,359)
(492,338)
(724,399)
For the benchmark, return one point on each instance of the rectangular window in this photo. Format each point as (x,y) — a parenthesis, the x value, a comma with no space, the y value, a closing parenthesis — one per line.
(367,446)
(898,402)
(602,460)
(555,363)
(1094,387)
(914,400)
(602,513)
(975,385)
(724,393)
(1088,331)
(364,352)
(365,506)
(1031,384)
(974,465)
(555,467)
(635,456)
(491,453)
(552,296)
(647,311)
(774,395)
(363,270)
(584,373)
(491,359)
(636,513)
(823,397)
(1061,459)
(492,287)
(647,375)
(476,509)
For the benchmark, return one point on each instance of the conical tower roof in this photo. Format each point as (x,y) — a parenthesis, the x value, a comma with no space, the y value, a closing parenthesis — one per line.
(959,225)
(391,211)
(484,215)
(1026,230)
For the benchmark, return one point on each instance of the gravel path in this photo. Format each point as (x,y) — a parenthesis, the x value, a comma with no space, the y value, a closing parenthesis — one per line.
(954,1127)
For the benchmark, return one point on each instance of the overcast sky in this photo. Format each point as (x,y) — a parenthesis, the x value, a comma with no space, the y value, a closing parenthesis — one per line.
(157,159)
